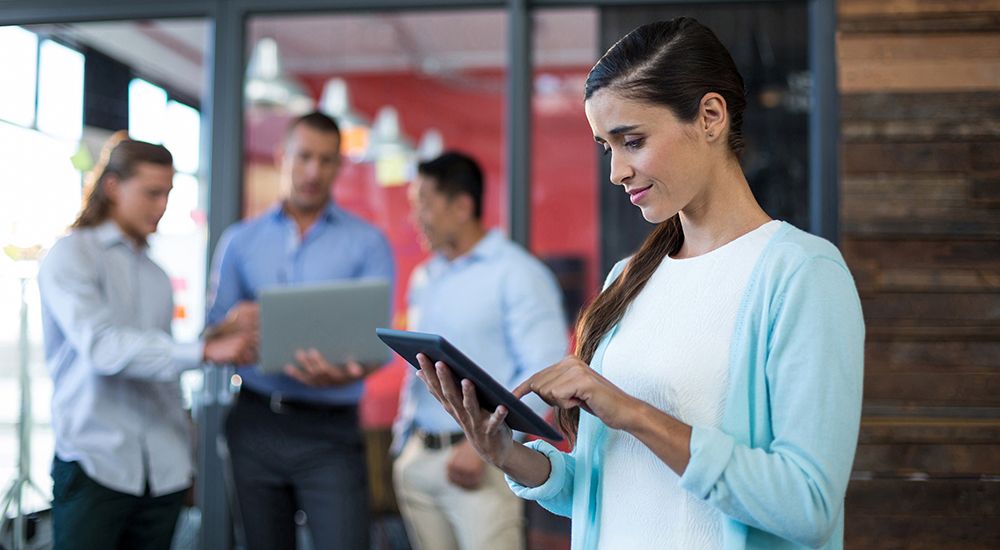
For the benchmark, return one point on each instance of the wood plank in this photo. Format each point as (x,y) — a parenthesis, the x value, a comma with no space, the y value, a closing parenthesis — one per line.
(929,430)
(930,459)
(894,48)
(915,252)
(919,130)
(933,23)
(908,158)
(921,187)
(951,107)
(919,62)
(873,409)
(933,388)
(861,217)
(897,8)
(923,265)
(932,309)
(934,497)
(937,357)
(985,156)
(862,532)
(932,279)
(930,333)
(860,208)
(945,75)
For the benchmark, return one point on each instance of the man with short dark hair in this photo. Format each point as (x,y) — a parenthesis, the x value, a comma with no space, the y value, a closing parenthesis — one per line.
(500,306)
(294,438)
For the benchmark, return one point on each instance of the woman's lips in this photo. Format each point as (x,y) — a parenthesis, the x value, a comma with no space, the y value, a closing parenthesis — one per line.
(636,195)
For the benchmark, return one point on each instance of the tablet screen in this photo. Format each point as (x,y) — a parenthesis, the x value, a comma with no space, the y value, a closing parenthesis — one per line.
(489,392)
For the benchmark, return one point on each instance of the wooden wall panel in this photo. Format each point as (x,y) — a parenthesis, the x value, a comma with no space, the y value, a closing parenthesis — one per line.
(920,212)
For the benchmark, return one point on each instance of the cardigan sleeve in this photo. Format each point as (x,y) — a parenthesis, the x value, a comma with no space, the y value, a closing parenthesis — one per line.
(556,494)
(795,488)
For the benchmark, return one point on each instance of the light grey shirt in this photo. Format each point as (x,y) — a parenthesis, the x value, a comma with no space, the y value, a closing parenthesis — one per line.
(498,304)
(116,405)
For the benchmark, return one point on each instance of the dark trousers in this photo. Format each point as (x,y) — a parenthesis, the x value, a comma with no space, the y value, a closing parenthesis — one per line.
(298,458)
(87,515)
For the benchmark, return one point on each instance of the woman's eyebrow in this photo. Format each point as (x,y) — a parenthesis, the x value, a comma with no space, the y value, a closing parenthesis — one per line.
(618,130)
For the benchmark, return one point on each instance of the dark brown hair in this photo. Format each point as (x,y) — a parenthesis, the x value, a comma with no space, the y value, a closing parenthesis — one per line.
(672,64)
(120,157)
(316,121)
(455,174)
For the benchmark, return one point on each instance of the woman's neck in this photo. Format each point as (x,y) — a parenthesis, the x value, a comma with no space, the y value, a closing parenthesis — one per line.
(726,211)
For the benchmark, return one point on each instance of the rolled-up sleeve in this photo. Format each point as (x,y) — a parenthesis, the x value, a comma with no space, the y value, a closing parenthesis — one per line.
(556,494)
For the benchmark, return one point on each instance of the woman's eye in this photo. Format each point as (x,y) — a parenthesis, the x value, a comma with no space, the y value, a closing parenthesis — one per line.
(633,143)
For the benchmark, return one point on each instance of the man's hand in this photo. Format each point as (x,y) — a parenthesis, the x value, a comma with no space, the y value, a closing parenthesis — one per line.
(465,468)
(244,316)
(314,370)
(239,348)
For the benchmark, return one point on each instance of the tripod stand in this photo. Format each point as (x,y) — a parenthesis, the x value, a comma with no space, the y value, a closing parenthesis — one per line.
(13,499)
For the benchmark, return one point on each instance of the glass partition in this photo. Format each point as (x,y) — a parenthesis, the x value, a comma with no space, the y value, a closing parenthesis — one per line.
(64,90)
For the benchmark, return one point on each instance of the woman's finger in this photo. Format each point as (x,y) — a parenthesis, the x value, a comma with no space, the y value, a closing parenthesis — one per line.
(496,420)
(451,391)
(471,403)
(429,376)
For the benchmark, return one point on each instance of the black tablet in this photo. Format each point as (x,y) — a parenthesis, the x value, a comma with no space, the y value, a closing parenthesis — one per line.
(489,392)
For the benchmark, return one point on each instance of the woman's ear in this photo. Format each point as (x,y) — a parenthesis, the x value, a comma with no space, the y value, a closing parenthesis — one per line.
(713,116)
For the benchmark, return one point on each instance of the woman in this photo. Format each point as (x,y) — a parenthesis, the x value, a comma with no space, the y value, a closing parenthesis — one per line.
(719,372)
(123,455)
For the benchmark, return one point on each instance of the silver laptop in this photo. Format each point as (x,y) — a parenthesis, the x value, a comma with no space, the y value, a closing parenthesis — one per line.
(338,319)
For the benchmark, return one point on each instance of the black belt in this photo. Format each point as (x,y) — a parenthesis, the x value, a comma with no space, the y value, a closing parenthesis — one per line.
(281,404)
(435,441)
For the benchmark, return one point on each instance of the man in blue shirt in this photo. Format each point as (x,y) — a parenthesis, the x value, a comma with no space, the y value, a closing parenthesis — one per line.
(502,308)
(294,438)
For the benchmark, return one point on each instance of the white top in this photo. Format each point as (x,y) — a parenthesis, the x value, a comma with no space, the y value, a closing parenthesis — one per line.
(672,351)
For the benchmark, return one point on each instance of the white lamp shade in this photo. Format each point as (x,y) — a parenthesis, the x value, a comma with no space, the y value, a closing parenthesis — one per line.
(267,85)
(431,145)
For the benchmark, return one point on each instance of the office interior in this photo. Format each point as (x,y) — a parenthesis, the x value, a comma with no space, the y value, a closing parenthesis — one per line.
(874,125)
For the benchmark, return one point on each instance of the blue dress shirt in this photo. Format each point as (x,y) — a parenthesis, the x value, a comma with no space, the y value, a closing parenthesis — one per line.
(500,306)
(116,403)
(267,251)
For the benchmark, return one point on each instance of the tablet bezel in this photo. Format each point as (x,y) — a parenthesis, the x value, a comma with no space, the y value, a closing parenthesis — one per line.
(490,393)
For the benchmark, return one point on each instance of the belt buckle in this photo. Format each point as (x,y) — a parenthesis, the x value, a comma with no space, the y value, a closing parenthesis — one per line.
(275,403)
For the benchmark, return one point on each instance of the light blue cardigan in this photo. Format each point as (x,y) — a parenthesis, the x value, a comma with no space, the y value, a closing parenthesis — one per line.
(779,465)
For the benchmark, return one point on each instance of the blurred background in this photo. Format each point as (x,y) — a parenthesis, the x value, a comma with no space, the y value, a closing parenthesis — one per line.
(873,124)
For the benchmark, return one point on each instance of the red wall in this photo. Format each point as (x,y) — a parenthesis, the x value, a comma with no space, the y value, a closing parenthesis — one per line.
(469,114)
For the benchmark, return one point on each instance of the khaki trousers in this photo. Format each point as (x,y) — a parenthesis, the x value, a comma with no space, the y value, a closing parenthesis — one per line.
(442,516)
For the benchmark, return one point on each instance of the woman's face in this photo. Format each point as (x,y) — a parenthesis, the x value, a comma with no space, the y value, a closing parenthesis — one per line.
(661,162)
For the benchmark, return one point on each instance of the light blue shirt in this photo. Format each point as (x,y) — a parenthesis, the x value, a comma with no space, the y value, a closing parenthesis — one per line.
(779,465)
(267,251)
(497,304)
(116,404)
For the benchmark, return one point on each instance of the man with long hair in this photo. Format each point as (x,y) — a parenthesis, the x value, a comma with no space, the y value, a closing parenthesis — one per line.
(123,457)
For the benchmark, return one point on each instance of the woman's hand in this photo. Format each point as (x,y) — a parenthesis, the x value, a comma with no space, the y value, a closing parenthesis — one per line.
(572,383)
(487,432)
